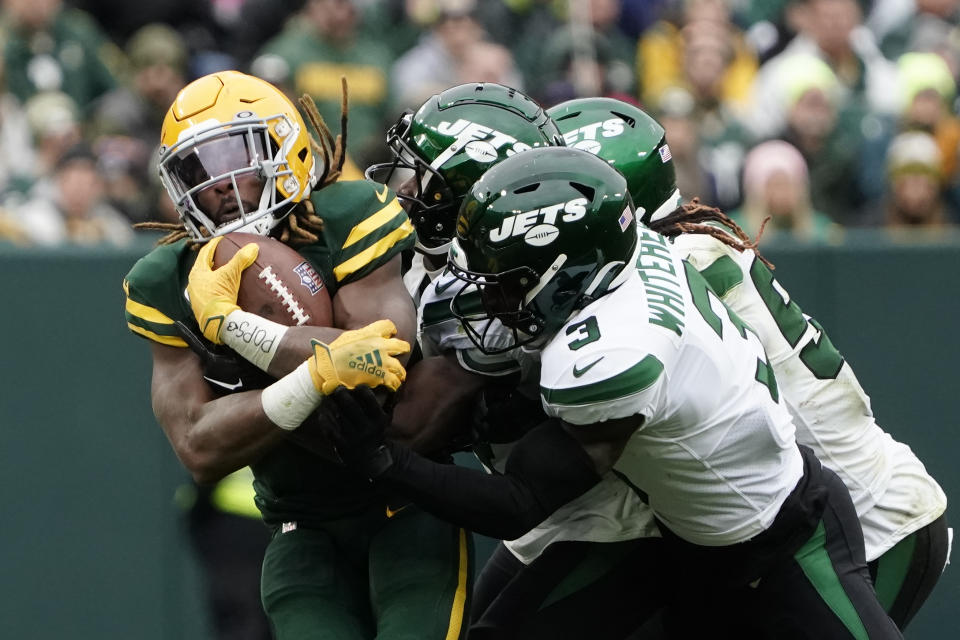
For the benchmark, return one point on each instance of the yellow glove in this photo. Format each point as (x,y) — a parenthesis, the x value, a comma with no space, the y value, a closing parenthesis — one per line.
(213,292)
(360,357)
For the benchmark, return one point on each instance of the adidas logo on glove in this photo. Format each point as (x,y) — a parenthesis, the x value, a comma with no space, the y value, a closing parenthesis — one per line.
(369,363)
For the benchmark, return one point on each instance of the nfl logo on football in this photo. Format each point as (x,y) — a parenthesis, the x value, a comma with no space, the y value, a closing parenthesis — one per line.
(309,277)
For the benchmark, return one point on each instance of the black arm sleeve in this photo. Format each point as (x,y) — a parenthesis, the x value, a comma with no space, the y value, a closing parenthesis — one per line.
(546,469)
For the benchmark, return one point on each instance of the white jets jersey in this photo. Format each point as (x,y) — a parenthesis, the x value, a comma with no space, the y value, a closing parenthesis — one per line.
(610,512)
(893,494)
(716,453)
(418,277)
(439,331)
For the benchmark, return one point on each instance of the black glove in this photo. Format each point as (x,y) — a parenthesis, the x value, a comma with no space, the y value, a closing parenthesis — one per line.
(223,369)
(504,414)
(355,424)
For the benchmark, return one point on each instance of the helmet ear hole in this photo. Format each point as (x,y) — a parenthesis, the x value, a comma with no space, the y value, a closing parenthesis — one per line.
(302,154)
(630,120)
(587,191)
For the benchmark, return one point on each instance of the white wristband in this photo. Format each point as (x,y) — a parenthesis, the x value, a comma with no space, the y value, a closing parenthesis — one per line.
(255,338)
(289,400)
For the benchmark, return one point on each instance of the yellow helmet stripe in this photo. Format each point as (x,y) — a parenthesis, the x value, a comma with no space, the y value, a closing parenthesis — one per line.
(374,222)
(173,341)
(373,252)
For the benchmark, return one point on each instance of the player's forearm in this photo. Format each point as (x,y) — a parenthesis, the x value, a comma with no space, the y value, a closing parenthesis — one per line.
(296,347)
(223,435)
(275,348)
(376,296)
(546,470)
(272,347)
(427,421)
(400,311)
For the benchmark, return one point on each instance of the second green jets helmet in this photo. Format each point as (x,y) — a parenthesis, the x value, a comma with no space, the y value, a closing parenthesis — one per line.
(630,140)
(541,235)
(449,142)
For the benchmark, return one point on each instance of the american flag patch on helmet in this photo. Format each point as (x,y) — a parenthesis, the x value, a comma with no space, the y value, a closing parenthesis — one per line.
(625,218)
(665,155)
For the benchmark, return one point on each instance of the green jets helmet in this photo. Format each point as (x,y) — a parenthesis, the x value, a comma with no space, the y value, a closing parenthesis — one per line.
(630,140)
(449,142)
(541,235)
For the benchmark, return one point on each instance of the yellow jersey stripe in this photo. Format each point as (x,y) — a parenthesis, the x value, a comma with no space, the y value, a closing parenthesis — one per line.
(373,252)
(173,341)
(374,222)
(144,312)
(460,597)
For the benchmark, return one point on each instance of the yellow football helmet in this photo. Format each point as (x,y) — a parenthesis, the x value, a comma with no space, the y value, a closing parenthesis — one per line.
(235,155)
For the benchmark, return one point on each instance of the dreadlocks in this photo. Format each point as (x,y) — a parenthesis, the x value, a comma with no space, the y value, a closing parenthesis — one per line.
(693,218)
(302,225)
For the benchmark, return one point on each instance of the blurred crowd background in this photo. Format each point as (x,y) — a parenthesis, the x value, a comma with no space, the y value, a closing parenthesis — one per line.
(824,114)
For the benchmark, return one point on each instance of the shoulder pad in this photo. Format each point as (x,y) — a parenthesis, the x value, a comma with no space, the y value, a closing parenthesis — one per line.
(154,294)
(701,249)
(364,226)
(605,364)
(722,266)
(601,384)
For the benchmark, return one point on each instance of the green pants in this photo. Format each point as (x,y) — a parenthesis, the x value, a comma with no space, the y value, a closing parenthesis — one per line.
(408,576)
(905,575)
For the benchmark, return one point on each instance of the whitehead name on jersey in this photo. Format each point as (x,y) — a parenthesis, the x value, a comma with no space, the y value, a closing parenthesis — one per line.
(716,452)
(893,494)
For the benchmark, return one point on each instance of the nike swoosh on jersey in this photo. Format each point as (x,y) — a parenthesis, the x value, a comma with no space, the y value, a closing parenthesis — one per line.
(392,512)
(382,196)
(226,385)
(443,285)
(579,372)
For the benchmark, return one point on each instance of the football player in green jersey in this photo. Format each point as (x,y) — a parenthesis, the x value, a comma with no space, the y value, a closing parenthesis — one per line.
(906,538)
(236,156)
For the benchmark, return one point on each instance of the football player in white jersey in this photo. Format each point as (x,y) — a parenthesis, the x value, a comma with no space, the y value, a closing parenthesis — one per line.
(900,506)
(439,151)
(650,376)
(443,147)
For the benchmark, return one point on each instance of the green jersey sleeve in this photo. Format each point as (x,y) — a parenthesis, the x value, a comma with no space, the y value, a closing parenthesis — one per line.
(364,226)
(154,289)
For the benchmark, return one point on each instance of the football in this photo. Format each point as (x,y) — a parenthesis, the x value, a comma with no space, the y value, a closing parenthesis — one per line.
(281,285)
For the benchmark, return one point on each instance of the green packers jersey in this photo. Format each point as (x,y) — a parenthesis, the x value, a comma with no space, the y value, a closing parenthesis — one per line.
(364,228)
